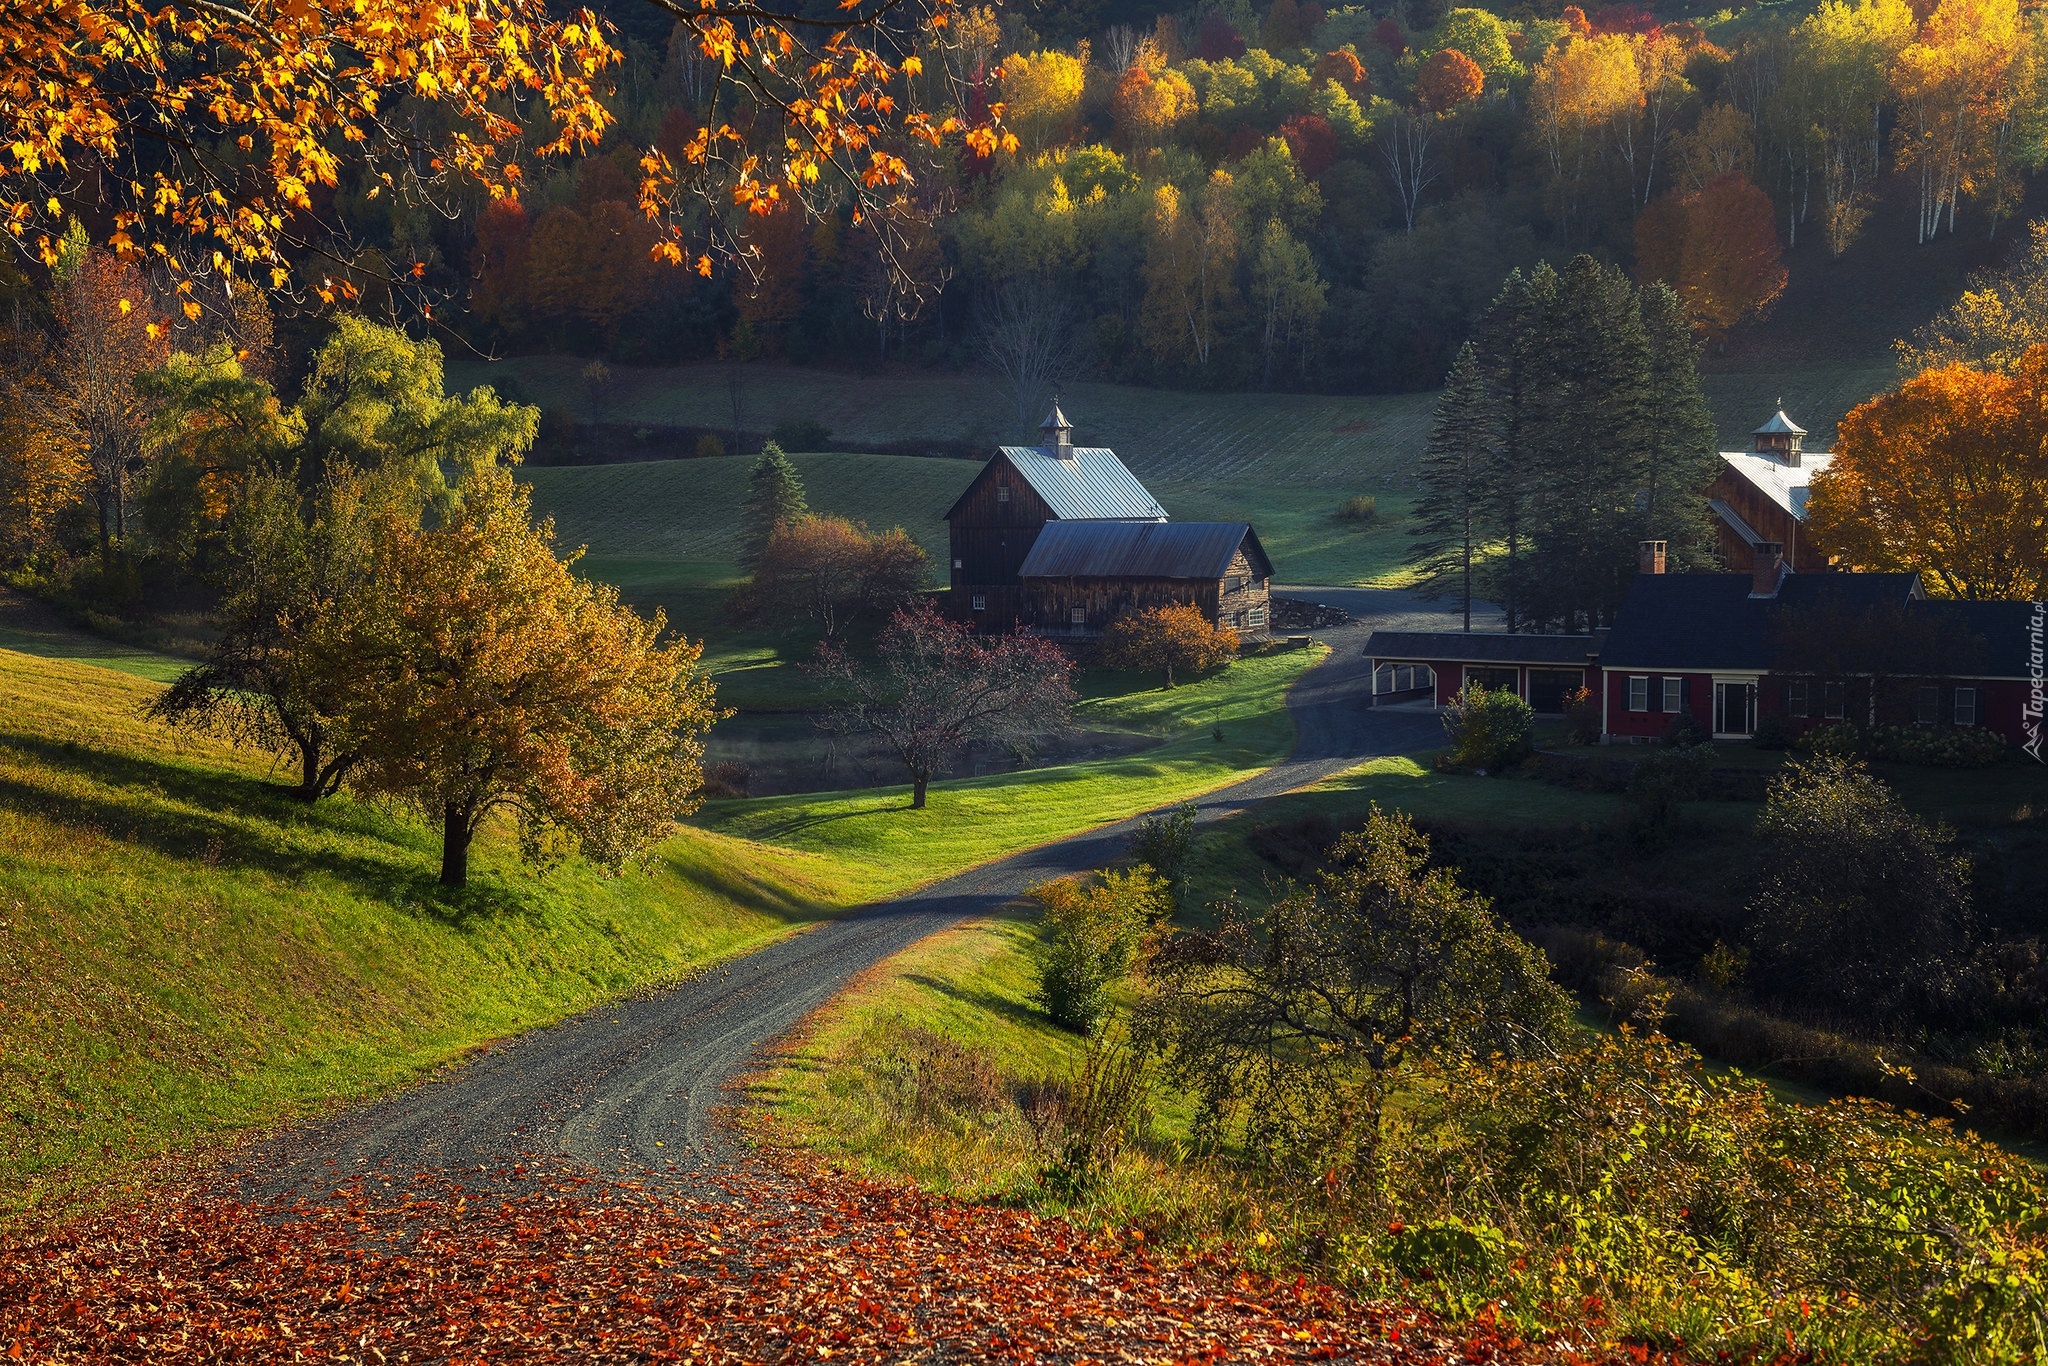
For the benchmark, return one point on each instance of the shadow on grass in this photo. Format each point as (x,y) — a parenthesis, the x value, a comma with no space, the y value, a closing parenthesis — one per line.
(185,812)
(1013,1011)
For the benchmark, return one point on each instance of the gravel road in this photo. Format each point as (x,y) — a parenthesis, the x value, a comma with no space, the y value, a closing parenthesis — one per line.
(633,1086)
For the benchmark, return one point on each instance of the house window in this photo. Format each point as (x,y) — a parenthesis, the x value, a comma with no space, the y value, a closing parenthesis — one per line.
(981,602)
(1834,700)
(1002,493)
(1926,705)
(1966,706)
(1796,698)
(1638,693)
(1492,679)
(1079,616)
(1674,695)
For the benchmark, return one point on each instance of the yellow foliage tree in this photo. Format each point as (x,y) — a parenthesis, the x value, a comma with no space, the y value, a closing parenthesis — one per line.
(251,111)
(1174,636)
(1580,92)
(1148,106)
(496,679)
(1946,476)
(42,469)
(1042,97)
(1190,264)
(1952,87)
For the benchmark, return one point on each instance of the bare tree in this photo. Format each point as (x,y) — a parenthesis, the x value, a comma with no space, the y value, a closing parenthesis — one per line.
(736,400)
(940,688)
(1027,334)
(1405,146)
(900,267)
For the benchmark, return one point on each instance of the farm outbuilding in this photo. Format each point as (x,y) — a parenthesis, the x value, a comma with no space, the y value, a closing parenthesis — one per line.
(1080,576)
(1059,539)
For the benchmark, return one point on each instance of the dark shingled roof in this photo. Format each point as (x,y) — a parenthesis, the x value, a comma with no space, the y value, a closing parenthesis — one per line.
(1142,550)
(1699,622)
(1093,485)
(2003,632)
(1481,647)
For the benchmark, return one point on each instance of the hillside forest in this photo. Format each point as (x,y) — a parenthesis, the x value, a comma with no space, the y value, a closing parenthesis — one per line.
(1291,198)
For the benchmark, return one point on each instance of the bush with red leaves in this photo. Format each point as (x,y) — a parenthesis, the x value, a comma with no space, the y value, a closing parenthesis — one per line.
(1313,142)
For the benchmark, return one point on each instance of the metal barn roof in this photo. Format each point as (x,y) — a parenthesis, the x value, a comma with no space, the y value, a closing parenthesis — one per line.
(1142,550)
(1780,425)
(1092,486)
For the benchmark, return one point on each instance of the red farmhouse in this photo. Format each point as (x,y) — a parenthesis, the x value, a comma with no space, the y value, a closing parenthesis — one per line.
(1731,649)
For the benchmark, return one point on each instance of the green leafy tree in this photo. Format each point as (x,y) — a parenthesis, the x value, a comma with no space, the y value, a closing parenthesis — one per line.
(1287,295)
(285,670)
(1165,843)
(1089,937)
(1865,908)
(1286,1022)
(775,499)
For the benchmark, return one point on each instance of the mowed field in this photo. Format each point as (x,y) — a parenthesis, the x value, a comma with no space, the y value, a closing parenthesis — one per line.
(1283,462)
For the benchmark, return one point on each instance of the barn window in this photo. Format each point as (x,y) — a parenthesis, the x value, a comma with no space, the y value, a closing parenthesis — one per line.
(1079,616)
(956,564)
(1966,706)
(981,602)
(1258,616)
(1674,695)
(1639,693)
(1796,698)
(1002,493)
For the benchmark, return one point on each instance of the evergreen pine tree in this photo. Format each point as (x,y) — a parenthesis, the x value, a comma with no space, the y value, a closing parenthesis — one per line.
(1508,343)
(1679,444)
(775,497)
(1457,472)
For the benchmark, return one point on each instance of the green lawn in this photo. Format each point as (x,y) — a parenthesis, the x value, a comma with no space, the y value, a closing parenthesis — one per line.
(878,841)
(34,632)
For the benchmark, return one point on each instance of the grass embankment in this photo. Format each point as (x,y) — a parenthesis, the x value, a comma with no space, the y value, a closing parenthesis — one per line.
(873,835)
(186,953)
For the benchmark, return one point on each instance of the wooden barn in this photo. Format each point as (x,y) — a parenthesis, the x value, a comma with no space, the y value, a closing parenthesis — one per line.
(1759,498)
(1059,538)
(1080,576)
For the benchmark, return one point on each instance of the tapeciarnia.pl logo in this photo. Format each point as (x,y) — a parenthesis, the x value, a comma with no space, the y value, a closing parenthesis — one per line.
(2035,678)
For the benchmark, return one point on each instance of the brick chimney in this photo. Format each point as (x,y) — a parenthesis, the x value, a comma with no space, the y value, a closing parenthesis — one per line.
(1649,557)
(1768,570)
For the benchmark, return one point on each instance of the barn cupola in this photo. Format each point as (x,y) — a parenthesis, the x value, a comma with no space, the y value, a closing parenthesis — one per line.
(1057,434)
(1781,438)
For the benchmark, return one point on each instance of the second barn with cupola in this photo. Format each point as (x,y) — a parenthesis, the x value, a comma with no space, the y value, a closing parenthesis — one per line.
(1061,539)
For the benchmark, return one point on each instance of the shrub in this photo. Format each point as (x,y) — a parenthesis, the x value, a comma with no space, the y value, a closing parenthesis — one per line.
(1685,731)
(1078,1126)
(1489,729)
(802,434)
(1933,746)
(1582,716)
(1163,639)
(1771,734)
(1864,907)
(1664,780)
(1359,507)
(1836,739)
(710,446)
(1165,843)
(1088,938)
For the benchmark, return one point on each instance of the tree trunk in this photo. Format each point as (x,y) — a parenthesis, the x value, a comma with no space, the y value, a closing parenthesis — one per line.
(311,780)
(455,834)
(917,787)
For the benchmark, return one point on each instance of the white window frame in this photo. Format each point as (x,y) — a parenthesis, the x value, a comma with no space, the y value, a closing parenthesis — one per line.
(1926,705)
(1966,706)
(1799,698)
(981,602)
(1639,692)
(1672,700)
(1077,616)
(1834,701)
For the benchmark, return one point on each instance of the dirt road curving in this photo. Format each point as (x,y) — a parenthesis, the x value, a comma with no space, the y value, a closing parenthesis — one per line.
(633,1086)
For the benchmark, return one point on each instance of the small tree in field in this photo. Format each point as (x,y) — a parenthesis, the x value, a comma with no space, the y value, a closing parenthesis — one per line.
(831,571)
(497,679)
(285,670)
(1163,639)
(1489,728)
(940,688)
(775,499)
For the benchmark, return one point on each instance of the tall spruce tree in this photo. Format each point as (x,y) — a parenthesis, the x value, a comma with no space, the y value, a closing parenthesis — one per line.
(1596,436)
(775,497)
(1679,437)
(1457,475)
